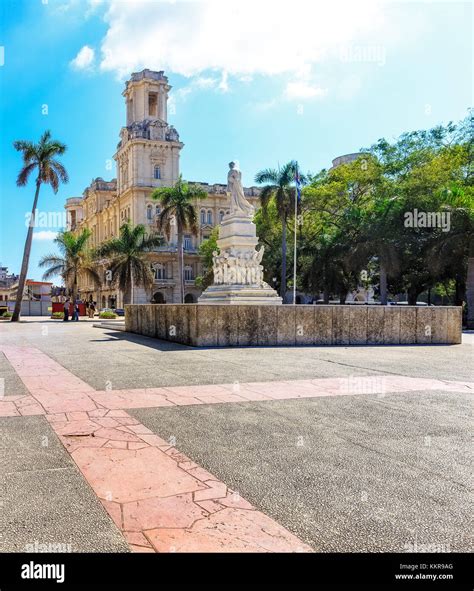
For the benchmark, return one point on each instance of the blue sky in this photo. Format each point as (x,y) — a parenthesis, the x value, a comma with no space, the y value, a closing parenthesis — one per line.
(262,82)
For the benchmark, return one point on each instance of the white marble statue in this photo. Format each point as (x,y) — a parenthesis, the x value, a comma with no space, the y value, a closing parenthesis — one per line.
(238,204)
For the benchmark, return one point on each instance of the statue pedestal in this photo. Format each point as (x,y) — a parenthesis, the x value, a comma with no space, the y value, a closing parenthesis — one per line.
(238,274)
(237,231)
(239,294)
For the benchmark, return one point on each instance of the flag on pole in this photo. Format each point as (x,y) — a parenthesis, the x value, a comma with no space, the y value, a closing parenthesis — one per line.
(298,184)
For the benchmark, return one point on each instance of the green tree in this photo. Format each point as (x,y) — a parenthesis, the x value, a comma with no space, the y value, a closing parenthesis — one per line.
(178,209)
(126,257)
(206,250)
(75,260)
(280,190)
(333,247)
(426,169)
(42,158)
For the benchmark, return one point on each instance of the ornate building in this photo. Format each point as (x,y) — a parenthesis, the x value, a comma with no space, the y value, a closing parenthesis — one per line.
(147,157)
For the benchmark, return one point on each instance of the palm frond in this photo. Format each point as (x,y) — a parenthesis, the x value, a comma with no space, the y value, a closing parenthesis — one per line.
(24,174)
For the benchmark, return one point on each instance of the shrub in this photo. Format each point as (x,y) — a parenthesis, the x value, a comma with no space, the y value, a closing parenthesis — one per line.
(6,315)
(107,315)
(57,315)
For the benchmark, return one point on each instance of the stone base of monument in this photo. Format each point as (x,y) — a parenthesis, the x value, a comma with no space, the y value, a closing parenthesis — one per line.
(240,294)
(201,325)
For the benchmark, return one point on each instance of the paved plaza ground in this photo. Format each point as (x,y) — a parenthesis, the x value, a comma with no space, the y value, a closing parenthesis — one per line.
(115,442)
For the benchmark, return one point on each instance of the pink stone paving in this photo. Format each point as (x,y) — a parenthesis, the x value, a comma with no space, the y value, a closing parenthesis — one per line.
(161,500)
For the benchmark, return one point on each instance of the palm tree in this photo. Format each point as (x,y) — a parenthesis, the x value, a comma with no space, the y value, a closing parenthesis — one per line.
(178,209)
(280,189)
(73,261)
(40,157)
(128,258)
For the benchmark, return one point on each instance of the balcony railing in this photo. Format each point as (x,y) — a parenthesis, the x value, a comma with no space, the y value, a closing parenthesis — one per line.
(173,248)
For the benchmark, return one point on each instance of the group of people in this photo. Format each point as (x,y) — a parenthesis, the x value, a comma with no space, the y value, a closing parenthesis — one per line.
(71,310)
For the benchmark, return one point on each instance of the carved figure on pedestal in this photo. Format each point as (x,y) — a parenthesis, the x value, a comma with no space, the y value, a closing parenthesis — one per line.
(217,268)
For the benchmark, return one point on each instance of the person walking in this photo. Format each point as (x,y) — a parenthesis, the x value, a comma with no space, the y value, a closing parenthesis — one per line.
(91,310)
(76,312)
(66,310)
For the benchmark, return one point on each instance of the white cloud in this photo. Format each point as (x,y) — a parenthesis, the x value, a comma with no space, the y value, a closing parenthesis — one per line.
(84,59)
(224,83)
(44,235)
(241,39)
(264,105)
(306,46)
(301,89)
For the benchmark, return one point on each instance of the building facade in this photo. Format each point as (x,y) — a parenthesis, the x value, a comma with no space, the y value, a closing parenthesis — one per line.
(147,157)
(8,284)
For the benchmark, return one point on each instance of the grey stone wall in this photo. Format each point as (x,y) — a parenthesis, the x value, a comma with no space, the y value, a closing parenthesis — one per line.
(245,325)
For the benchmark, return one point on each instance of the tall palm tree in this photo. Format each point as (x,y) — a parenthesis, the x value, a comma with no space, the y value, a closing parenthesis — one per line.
(280,189)
(178,209)
(42,158)
(128,258)
(74,260)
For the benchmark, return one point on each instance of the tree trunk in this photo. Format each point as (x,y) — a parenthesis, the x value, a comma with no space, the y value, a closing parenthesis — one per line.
(126,296)
(26,257)
(74,289)
(383,285)
(180,264)
(326,296)
(413,293)
(470,287)
(342,297)
(132,287)
(283,260)
(460,291)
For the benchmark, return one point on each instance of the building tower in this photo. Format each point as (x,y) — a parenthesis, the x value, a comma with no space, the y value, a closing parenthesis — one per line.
(148,152)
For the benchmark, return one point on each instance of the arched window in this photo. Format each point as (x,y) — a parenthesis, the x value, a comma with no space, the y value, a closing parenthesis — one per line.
(188,273)
(160,271)
(189,298)
(227,212)
(158,298)
(157,210)
(157,172)
(149,213)
(209,217)
(188,243)
(203,216)
(221,216)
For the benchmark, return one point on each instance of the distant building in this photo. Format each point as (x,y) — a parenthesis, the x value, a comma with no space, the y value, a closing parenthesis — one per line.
(38,291)
(346,159)
(8,284)
(147,157)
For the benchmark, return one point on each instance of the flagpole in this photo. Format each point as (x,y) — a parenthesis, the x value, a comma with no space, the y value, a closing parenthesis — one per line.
(294,246)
